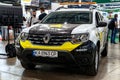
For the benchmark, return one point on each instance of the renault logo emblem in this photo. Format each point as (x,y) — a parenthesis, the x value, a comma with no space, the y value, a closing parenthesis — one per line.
(46,38)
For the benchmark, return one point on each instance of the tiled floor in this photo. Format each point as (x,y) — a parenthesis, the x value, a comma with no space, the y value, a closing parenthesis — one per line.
(11,69)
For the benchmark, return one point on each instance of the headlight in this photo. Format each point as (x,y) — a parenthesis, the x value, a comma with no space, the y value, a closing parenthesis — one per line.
(23,36)
(77,38)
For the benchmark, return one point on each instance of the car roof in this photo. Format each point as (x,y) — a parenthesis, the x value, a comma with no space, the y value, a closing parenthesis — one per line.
(78,9)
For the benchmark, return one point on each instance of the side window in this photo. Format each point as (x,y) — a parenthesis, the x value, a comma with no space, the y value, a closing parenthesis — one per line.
(98,19)
(101,17)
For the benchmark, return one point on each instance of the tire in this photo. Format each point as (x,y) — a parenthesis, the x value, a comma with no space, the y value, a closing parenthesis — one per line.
(28,66)
(92,69)
(105,51)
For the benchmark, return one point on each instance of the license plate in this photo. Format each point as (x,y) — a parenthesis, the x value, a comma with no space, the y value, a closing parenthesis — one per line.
(40,53)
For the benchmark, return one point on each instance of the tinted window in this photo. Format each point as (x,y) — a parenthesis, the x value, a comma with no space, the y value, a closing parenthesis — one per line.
(68,17)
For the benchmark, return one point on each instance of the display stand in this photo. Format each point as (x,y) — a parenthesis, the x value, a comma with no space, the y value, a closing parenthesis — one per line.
(11,16)
(10,49)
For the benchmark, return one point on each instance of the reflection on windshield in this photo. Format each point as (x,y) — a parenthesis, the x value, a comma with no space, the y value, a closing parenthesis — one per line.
(68,17)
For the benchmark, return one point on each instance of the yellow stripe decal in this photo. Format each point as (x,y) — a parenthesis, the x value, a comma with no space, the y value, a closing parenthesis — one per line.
(67,46)
(101,36)
(56,26)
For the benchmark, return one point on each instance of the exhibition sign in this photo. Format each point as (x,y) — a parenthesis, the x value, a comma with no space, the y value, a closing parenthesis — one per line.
(106,1)
(26,2)
(30,2)
(111,10)
(35,2)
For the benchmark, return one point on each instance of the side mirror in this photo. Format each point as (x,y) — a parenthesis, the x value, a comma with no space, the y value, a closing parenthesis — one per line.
(102,24)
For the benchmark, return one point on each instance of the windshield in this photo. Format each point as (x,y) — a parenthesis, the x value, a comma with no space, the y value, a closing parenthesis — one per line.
(75,17)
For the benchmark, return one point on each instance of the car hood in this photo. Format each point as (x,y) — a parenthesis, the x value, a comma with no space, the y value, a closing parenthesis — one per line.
(58,28)
(53,28)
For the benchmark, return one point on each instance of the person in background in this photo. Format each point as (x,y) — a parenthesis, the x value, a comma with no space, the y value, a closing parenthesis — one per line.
(114,29)
(110,16)
(24,23)
(32,20)
(24,19)
(43,14)
(4,32)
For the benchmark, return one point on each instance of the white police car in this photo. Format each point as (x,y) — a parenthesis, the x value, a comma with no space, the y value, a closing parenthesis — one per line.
(66,37)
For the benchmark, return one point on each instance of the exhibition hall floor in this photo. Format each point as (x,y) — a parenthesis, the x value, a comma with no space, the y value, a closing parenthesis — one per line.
(11,69)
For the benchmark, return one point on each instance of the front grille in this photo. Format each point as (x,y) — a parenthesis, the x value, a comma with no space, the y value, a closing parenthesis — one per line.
(55,39)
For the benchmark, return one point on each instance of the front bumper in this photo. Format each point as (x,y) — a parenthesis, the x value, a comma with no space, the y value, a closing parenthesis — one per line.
(81,55)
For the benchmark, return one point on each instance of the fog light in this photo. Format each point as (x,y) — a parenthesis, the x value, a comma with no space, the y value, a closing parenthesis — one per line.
(78,50)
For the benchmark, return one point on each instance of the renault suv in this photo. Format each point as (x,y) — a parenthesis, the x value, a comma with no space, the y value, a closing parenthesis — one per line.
(65,37)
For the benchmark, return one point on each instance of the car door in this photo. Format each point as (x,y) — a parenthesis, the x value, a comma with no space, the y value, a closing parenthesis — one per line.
(101,30)
(105,30)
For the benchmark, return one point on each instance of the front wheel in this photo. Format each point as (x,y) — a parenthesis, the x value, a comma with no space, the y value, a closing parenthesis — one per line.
(93,68)
(105,51)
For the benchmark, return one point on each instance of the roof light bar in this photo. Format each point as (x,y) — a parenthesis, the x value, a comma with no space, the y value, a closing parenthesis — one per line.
(76,3)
